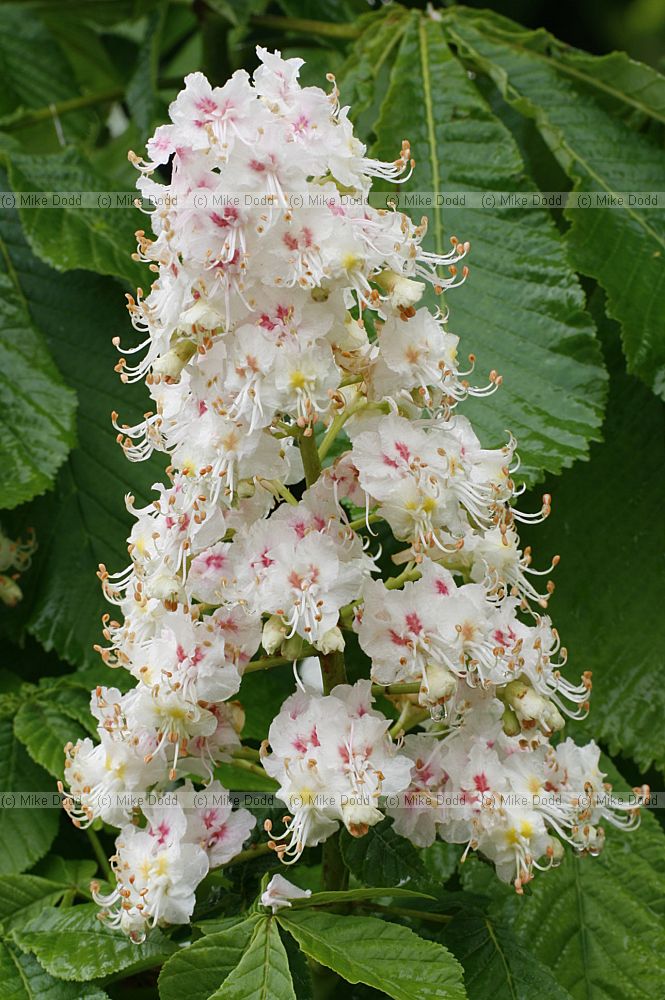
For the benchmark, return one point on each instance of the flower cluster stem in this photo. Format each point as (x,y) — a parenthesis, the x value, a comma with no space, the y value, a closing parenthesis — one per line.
(100,854)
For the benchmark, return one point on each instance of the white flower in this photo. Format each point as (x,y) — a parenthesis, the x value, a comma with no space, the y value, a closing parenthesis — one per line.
(333,759)
(282,309)
(216,827)
(421,808)
(279,892)
(157,873)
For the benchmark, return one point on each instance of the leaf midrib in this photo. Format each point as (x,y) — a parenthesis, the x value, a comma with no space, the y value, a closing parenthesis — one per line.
(561,66)
(539,113)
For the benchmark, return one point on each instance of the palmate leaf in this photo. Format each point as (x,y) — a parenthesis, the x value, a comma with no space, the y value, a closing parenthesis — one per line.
(579,105)
(142,96)
(37,410)
(23,978)
(198,972)
(72,874)
(522,312)
(598,923)
(25,833)
(365,73)
(49,81)
(99,239)
(263,971)
(23,896)
(43,725)
(83,521)
(495,964)
(607,526)
(73,944)
(381,954)
(382,857)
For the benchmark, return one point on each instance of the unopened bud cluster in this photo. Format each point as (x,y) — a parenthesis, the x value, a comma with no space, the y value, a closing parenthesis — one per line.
(271,329)
(15,558)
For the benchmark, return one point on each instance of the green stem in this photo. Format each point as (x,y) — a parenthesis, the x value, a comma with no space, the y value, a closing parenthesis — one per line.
(413,687)
(63,107)
(333,670)
(100,854)
(267,662)
(362,522)
(310,458)
(335,873)
(246,753)
(281,490)
(395,582)
(306,26)
(338,422)
(401,911)
(255,851)
(247,765)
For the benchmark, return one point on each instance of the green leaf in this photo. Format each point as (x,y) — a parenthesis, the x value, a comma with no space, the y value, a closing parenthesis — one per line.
(363,76)
(22,896)
(440,860)
(25,833)
(199,971)
(263,971)
(608,528)
(71,874)
(142,96)
(49,81)
(384,955)
(71,693)
(350,895)
(615,78)
(263,692)
(99,239)
(381,857)
(23,978)
(598,923)
(85,50)
(590,139)
(37,410)
(83,522)
(74,944)
(44,728)
(522,311)
(495,965)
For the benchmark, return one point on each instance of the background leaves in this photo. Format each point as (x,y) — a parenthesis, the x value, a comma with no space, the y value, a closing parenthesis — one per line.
(524,311)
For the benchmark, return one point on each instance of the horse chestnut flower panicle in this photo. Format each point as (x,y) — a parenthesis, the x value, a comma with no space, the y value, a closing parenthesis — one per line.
(286,309)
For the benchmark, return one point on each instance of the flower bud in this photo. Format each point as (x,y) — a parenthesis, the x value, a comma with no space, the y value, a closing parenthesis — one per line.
(292,648)
(510,722)
(332,641)
(164,588)
(531,708)
(590,839)
(10,592)
(237,715)
(439,684)
(273,634)
(555,852)
(172,363)
(358,816)
(403,293)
